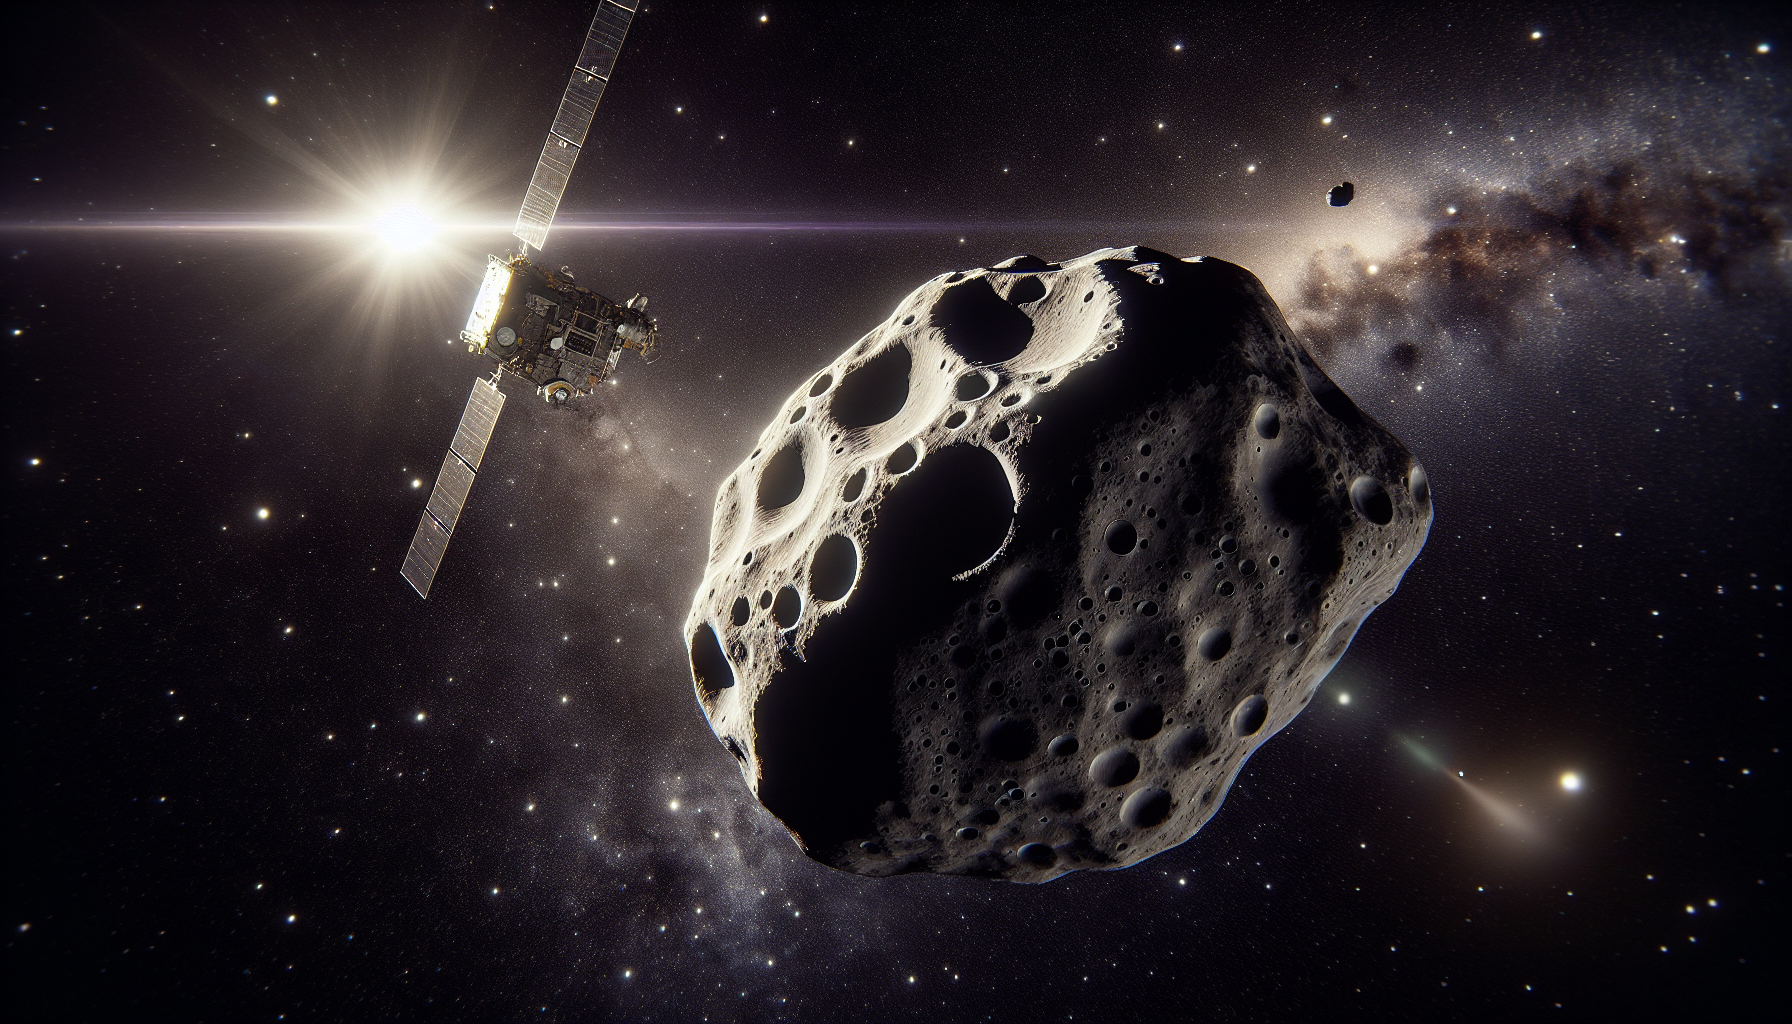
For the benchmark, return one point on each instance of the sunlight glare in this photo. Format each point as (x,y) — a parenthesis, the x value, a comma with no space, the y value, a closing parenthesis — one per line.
(405,228)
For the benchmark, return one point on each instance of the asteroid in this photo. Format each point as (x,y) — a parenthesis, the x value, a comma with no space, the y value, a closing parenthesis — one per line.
(1341,195)
(1016,584)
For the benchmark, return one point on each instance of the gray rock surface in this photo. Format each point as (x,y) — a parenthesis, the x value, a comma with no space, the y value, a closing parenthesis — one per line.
(1016,585)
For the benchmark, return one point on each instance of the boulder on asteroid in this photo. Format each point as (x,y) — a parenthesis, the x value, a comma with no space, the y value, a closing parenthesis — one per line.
(1017,583)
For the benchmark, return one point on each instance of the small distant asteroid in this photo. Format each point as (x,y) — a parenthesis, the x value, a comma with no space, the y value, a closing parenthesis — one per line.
(1341,195)
(1015,585)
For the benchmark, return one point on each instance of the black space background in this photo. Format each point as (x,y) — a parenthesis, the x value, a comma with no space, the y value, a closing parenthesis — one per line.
(1604,427)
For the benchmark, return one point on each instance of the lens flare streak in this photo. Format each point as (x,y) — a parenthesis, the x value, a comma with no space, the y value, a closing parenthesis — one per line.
(1504,813)
(199,223)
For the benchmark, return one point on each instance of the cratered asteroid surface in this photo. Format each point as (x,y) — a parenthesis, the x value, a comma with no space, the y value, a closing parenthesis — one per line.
(1017,583)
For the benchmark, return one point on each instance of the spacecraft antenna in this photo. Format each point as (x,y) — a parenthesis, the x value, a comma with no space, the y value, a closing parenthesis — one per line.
(536,322)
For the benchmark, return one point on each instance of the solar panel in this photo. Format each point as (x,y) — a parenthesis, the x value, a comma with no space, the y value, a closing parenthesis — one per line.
(476,422)
(450,494)
(453,483)
(425,555)
(542,200)
(572,121)
(604,41)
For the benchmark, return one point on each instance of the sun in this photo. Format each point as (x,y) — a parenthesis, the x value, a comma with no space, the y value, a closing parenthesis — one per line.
(405,228)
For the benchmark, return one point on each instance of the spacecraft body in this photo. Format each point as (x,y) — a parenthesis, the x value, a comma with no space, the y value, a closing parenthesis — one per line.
(545,327)
(536,324)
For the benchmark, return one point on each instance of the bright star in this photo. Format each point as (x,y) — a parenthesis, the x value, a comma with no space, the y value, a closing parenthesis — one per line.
(272,99)
(1571,782)
(261,513)
(405,228)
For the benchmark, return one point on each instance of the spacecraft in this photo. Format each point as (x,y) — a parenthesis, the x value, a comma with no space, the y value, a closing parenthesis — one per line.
(537,323)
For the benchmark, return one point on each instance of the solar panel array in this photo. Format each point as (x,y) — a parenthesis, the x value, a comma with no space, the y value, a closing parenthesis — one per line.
(572,121)
(465,452)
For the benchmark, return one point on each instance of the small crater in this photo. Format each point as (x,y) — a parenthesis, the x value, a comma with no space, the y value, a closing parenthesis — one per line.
(1008,738)
(875,392)
(1420,484)
(781,481)
(1268,422)
(1214,643)
(1250,715)
(1184,746)
(972,386)
(1146,808)
(1142,721)
(709,666)
(1115,766)
(978,325)
(833,569)
(902,460)
(1371,500)
(1027,289)
(1122,537)
(787,608)
(855,486)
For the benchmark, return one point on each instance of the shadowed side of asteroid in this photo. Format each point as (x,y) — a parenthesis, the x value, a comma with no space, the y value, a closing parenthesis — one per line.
(827,752)
(1180,335)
